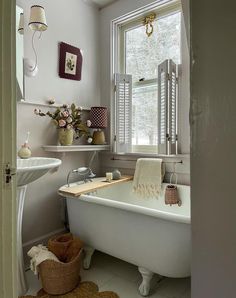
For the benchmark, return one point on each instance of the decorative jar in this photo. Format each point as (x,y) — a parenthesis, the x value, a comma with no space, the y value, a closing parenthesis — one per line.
(65,136)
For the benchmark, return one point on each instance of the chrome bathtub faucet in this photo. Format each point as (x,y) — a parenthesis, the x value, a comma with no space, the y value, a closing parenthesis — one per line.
(85,172)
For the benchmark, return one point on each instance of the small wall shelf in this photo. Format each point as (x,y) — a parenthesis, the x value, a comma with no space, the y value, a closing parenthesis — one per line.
(75,148)
(45,104)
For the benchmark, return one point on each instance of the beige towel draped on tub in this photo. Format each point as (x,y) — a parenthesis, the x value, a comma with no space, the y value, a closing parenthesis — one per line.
(148,177)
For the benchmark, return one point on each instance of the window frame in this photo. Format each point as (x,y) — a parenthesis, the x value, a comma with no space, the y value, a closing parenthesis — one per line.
(123,28)
(118,28)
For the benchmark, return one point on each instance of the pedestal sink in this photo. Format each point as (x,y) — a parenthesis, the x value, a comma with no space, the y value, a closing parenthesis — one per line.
(28,170)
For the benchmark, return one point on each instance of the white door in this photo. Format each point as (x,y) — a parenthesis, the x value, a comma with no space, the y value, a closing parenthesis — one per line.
(8,253)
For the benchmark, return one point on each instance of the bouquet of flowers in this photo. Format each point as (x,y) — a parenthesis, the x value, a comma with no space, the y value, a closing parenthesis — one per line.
(69,118)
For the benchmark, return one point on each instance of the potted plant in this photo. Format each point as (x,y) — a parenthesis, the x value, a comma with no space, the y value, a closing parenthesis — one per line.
(69,123)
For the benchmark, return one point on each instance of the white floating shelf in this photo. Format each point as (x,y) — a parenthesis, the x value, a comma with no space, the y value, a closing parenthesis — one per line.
(75,148)
(46,104)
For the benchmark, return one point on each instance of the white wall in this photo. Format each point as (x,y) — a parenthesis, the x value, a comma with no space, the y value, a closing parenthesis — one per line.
(73,22)
(19,56)
(76,23)
(213,142)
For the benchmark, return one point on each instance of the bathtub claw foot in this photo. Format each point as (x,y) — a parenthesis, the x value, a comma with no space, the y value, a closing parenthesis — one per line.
(88,256)
(147,275)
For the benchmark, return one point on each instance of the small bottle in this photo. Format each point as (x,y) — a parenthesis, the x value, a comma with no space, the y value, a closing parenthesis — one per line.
(25,151)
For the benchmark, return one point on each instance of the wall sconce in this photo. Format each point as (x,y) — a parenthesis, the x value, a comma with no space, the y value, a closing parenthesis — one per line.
(148,20)
(98,118)
(21,24)
(37,23)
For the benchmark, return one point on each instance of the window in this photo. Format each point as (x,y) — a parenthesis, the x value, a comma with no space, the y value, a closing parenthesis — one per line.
(146,86)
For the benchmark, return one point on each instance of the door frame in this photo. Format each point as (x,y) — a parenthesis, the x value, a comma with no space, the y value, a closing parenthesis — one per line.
(8,204)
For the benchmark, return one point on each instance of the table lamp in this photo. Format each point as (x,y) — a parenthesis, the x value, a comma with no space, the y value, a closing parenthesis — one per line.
(98,118)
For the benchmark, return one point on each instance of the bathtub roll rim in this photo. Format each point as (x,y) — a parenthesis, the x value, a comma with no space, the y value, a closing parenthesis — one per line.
(89,198)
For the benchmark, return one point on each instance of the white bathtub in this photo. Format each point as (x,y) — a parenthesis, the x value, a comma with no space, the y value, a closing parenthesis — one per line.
(144,232)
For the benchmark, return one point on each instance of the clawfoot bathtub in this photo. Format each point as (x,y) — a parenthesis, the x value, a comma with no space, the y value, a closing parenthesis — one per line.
(145,232)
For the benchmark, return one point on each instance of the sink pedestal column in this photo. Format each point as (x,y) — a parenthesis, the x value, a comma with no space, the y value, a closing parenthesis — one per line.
(22,284)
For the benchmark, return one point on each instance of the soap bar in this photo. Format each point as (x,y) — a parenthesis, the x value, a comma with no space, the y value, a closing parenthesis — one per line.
(116,174)
(108,177)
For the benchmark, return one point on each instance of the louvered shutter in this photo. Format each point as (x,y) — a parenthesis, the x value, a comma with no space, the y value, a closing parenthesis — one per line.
(173,93)
(167,107)
(123,123)
(162,107)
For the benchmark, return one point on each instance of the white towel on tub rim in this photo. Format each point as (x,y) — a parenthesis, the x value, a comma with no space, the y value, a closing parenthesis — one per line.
(148,177)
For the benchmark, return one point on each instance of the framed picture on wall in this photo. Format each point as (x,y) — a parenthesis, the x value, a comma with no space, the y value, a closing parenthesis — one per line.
(70,62)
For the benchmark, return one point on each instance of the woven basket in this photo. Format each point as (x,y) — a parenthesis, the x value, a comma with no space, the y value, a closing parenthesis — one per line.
(60,278)
(171,195)
(171,192)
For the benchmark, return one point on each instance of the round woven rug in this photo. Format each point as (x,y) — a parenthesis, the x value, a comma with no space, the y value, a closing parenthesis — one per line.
(86,289)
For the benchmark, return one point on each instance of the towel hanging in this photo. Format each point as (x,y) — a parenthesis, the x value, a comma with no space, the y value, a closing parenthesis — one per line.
(148,177)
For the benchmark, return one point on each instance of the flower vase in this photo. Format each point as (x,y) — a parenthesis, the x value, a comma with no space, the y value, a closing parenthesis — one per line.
(65,136)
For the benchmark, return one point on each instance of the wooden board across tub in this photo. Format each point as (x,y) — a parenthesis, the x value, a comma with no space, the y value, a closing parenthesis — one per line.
(91,186)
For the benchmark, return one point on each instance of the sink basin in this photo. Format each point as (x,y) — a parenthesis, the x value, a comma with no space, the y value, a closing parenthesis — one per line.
(29,170)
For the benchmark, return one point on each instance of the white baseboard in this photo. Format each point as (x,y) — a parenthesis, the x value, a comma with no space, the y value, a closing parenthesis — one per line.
(40,240)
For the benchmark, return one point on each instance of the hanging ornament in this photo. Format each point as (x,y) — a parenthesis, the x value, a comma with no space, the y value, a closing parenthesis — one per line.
(148,20)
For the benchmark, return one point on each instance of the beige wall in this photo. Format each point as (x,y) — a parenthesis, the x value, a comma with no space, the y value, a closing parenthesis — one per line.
(76,23)
(213,143)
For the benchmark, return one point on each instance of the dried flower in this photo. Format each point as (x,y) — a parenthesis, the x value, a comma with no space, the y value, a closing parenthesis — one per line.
(62,123)
(51,101)
(65,114)
(69,118)
(55,122)
(69,126)
(89,140)
(89,123)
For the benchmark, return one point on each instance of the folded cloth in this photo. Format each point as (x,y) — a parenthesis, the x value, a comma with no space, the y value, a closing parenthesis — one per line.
(73,249)
(38,254)
(148,177)
(66,247)
(59,245)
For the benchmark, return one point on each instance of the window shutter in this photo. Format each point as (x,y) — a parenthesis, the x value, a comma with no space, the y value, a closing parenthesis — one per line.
(167,107)
(123,124)
(162,107)
(173,93)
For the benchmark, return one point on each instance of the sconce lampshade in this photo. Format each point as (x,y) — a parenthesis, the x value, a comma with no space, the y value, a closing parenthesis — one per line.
(37,18)
(21,24)
(98,117)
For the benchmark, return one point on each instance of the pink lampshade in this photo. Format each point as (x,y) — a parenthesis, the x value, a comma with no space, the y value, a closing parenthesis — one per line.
(98,117)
